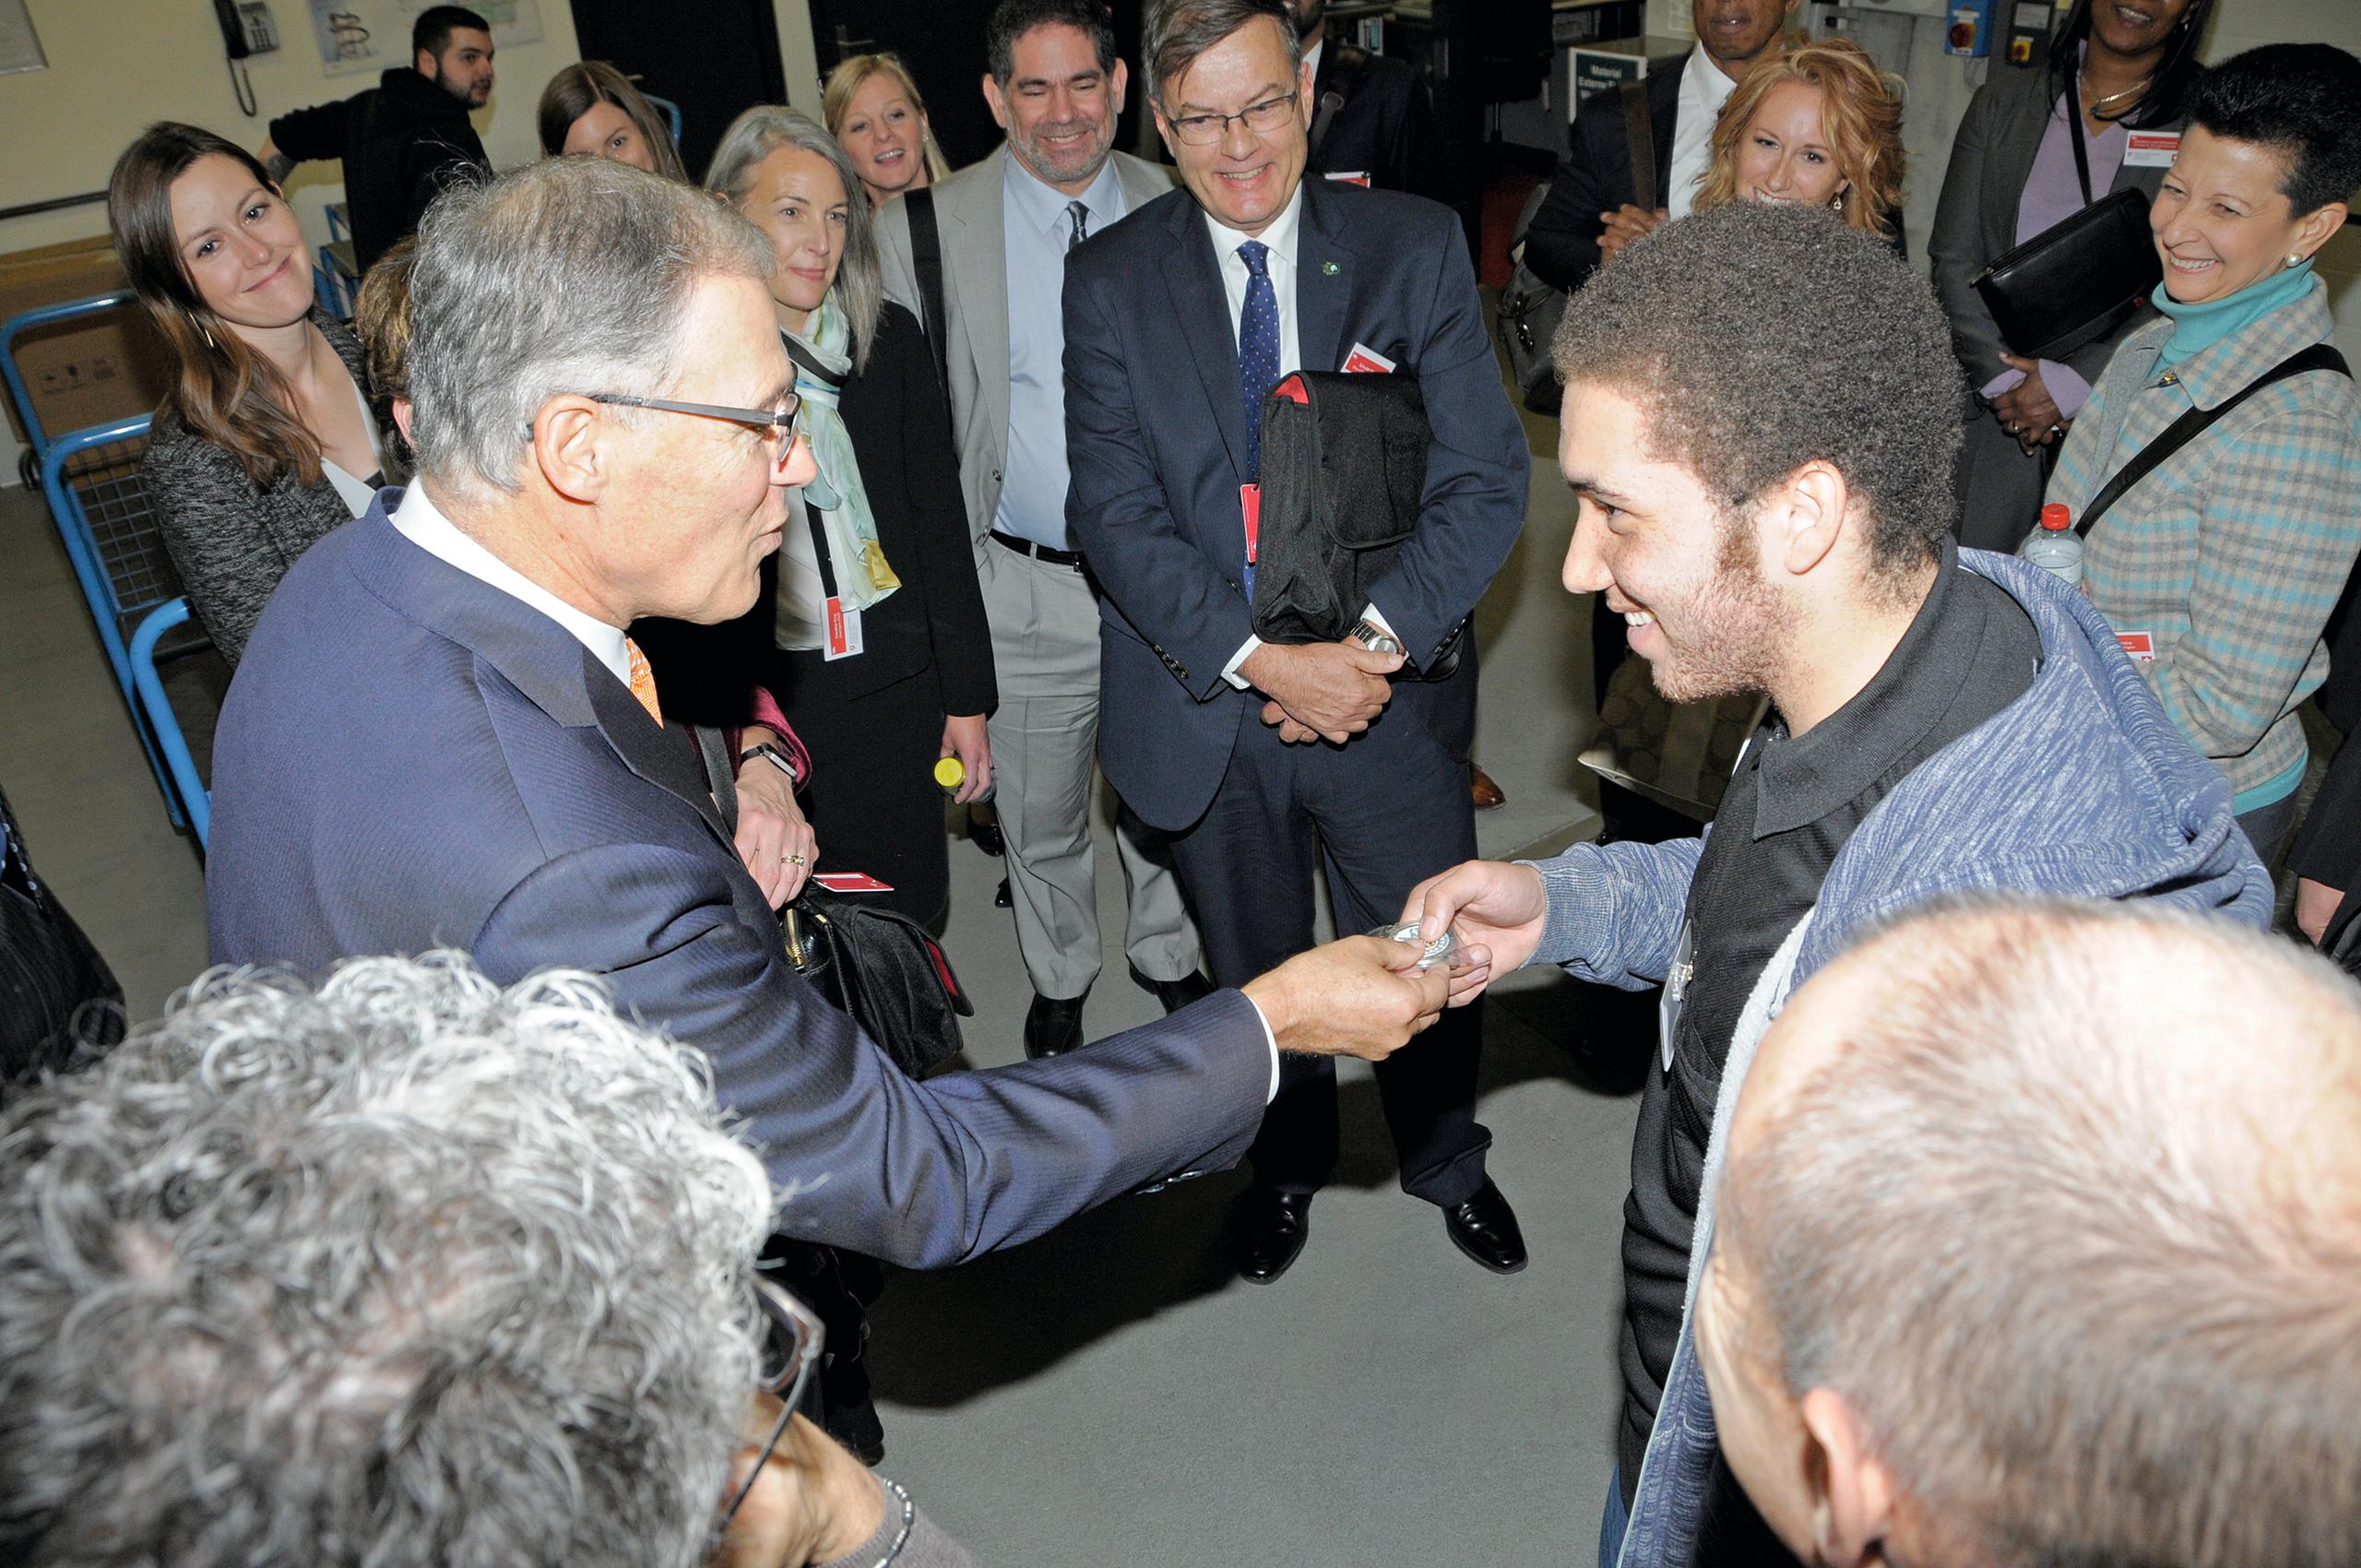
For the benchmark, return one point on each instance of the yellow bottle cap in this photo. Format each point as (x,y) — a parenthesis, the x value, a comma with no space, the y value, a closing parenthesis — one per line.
(950,772)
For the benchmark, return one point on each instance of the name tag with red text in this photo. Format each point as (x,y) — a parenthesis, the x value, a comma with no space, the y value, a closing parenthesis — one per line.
(844,631)
(2151,149)
(2141,646)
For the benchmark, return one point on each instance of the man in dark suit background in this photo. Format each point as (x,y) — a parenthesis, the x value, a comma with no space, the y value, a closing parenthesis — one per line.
(1177,322)
(1382,128)
(1593,211)
(441,737)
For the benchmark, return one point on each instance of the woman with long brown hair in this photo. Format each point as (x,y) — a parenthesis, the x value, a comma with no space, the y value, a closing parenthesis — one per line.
(593,109)
(266,440)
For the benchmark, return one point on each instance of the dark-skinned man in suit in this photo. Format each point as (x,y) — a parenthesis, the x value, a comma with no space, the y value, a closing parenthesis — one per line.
(1179,320)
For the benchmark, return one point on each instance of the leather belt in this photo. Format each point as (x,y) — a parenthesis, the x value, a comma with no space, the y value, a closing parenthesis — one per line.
(1038,552)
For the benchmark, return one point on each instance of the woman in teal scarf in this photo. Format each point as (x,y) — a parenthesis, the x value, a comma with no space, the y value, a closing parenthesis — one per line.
(872,617)
(2220,567)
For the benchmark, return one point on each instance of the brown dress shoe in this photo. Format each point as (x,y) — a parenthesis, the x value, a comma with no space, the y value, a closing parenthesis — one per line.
(1487,793)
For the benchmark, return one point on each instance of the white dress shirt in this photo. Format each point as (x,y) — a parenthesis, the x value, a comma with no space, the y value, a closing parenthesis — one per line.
(1703,90)
(418,521)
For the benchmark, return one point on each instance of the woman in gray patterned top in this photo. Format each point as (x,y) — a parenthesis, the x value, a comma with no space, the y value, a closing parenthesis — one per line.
(265,441)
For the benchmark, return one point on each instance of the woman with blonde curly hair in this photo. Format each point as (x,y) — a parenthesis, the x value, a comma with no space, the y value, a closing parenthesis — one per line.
(873,109)
(1816,123)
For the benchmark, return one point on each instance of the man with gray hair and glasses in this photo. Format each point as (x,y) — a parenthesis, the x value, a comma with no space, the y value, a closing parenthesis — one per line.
(411,1270)
(441,736)
(2066,1276)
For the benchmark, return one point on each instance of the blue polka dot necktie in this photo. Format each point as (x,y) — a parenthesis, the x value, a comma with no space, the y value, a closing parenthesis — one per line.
(1258,346)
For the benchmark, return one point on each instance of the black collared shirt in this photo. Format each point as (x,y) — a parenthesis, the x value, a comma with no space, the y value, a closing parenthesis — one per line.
(1794,801)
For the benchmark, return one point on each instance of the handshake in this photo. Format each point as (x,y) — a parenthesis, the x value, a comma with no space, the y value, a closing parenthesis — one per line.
(1367,995)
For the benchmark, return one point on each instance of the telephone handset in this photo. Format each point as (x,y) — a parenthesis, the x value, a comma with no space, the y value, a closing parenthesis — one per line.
(246,30)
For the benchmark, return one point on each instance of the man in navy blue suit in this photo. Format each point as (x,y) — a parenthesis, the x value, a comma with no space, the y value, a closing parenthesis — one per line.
(441,737)
(1179,320)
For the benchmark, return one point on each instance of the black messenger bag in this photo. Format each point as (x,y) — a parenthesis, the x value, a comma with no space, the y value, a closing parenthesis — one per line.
(1344,470)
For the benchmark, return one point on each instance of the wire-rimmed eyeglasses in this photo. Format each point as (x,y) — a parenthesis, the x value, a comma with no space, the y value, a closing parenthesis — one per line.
(1263,117)
(792,1338)
(777,426)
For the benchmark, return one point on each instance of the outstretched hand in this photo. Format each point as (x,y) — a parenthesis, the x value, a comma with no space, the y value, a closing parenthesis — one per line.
(1356,996)
(1499,910)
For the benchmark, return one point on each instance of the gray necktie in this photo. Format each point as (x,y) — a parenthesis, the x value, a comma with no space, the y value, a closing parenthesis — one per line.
(1081,216)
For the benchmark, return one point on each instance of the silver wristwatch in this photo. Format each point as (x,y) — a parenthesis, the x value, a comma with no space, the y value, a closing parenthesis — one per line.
(1374,638)
(771,754)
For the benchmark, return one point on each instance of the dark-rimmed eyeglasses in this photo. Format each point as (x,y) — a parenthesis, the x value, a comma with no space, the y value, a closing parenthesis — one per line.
(1204,130)
(777,426)
(792,1337)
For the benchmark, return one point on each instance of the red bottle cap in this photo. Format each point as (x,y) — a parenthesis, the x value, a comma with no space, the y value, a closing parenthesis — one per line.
(2056,518)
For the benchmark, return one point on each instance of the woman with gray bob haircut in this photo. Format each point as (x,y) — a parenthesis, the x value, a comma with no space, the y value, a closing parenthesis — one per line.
(874,585)
(409,1270)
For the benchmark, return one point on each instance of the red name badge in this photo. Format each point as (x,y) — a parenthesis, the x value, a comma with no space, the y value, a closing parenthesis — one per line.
(1250,506)
(2141,646)
(843,631)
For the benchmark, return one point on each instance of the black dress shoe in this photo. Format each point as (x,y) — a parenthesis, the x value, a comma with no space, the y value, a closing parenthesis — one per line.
(1053,1027)
(1175,993)
(1271,1228)
(1485,1228)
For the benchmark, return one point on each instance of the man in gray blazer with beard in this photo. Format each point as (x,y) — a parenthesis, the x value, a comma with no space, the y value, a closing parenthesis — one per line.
(1005,224)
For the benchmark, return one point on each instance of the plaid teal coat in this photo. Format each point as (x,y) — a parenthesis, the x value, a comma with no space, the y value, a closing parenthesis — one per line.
(2233,553)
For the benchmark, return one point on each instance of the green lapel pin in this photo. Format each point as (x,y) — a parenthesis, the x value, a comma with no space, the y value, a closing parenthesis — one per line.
(1329,268)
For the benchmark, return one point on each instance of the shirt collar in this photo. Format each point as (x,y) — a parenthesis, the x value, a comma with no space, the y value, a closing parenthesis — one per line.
(1311,56)
(1279,236)
(1702,78)
(1804,777)
(1044,206)
(420,521)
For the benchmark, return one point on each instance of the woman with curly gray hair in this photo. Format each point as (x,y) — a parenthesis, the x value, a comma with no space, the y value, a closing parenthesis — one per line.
(408,1270)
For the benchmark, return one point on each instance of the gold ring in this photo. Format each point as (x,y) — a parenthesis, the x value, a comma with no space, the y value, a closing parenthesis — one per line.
(790,860)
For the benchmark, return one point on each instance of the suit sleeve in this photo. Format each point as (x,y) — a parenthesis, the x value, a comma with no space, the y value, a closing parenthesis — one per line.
(1955,246)
(1478,465)
(2328,849)
(947,567)
(1562,246)
(304,135)
(894,257)
(922,1174)
(1116,507)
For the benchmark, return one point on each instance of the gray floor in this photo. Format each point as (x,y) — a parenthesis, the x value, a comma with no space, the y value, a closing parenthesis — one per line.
(1112,1394)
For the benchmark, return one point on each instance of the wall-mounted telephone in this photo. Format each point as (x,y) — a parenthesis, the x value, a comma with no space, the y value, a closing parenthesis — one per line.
(246,30)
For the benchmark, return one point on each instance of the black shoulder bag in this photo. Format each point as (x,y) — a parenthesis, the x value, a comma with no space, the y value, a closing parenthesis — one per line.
(2078,279)
(881,970)
(59,1002)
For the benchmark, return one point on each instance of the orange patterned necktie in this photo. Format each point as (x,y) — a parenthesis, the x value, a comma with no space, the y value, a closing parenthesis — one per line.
(643,681)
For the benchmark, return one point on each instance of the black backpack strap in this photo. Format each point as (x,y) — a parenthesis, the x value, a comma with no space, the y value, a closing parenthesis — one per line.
(926,261)
(1352,65)
(2182,431)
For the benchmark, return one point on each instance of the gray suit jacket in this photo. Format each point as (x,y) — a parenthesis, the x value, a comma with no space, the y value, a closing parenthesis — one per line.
(1976,218)
(974,296)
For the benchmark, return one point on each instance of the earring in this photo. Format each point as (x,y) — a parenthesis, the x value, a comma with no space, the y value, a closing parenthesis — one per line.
(1836,202)
(205,331)
(2295,259)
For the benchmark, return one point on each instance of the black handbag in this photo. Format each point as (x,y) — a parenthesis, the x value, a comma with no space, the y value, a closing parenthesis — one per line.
(1528,317)
(2077,281)
(59,1003)
(880,969)
(1344,471)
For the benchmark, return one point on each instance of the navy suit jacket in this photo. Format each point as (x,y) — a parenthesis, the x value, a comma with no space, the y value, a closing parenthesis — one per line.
(1156,440)
(409,758)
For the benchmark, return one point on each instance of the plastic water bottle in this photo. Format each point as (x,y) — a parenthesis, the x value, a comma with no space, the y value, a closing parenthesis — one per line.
(2055,546)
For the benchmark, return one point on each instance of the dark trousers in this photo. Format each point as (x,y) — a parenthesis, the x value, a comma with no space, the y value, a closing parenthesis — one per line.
(1386,811)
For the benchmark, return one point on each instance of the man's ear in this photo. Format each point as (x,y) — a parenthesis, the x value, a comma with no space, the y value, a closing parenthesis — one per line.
(1115,85)
(1852,1491)
(570,447)
(1808,508)
(994,100)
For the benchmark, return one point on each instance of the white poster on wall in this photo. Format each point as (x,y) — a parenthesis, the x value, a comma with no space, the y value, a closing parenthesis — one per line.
(370,35)
(19,49)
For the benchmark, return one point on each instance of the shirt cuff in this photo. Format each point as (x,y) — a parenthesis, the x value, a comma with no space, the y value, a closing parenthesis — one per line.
(1273,1041)
(2067,388)
(2008,380)
(1245,651)
(1375,617)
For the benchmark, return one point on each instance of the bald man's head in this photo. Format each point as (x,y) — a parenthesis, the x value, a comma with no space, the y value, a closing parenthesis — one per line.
(2041,1243)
